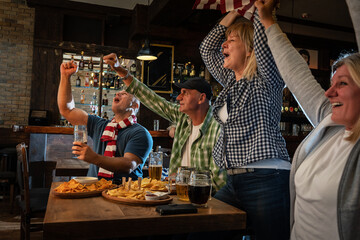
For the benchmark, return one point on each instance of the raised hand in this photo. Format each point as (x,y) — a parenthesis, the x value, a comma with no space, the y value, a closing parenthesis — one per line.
(265,9)
(230,18)
(112,60)
(68,68)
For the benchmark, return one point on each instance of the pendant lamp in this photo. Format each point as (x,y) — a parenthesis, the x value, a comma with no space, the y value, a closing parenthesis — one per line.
(145,53)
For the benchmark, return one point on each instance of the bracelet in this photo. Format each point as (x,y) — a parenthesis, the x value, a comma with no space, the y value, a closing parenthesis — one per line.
(126,76)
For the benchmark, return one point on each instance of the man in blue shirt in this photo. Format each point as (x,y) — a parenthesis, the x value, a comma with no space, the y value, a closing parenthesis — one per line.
(121,145)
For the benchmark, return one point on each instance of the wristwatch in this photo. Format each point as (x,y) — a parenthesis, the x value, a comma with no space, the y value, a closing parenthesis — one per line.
(126,76)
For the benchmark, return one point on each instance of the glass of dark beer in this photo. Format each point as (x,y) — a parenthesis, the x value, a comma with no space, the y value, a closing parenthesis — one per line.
(199,188)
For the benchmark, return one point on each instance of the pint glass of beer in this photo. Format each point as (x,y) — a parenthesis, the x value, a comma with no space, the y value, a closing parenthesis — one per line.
(199,188)
(182,181)
(155,165)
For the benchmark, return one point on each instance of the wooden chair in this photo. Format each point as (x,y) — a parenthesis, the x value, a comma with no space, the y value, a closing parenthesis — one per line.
(8,173)
(33,201)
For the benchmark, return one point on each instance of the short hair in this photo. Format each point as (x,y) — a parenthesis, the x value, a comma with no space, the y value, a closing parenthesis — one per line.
(352,62)
(244,29)
(306,53)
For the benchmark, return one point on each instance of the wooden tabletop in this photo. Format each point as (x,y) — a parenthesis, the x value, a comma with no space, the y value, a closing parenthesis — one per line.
(97,217)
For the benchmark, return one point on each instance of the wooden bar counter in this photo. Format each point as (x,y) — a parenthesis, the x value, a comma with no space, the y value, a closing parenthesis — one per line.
(70,130)
(97,217)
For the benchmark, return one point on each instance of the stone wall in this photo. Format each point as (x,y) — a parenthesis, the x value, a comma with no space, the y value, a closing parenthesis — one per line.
(16,56)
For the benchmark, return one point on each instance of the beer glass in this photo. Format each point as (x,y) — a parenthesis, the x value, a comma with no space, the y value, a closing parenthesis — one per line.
(182,181)
(199,187)
(155,165)
(80,135)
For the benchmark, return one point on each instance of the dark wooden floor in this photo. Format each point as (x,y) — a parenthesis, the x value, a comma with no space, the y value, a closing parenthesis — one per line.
(10,222)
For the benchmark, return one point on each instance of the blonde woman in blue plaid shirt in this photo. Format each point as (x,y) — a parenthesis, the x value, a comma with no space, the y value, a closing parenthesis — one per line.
(250,146)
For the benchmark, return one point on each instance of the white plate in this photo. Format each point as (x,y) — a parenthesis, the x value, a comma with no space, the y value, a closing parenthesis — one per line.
(86,180)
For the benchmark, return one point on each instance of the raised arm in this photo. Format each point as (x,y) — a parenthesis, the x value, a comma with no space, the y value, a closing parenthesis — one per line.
(210,49)
(149,98)
(264,59)
(293,68)
(65,99)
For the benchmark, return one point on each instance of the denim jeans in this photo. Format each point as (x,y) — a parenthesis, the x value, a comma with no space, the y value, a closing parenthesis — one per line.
(264,196)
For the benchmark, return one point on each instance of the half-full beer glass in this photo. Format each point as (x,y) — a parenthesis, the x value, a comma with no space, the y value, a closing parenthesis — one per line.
(155,165)
(182,181)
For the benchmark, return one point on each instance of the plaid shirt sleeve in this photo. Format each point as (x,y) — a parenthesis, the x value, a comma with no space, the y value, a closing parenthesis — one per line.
(264,59)
(159,105)
(210,50)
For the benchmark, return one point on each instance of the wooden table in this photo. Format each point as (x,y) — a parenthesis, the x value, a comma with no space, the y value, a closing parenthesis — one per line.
(71,167)
(97,217)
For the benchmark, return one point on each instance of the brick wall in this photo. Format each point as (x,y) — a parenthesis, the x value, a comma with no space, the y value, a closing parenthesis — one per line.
(16,52)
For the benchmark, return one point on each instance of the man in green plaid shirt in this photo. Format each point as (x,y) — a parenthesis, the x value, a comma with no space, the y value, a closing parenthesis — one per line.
(196,130)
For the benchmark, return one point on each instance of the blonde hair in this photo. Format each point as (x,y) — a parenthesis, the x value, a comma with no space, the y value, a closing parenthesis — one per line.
(244,29)
(352,62)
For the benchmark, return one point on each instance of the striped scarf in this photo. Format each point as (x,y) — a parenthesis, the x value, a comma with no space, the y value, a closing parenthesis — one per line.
(110,135)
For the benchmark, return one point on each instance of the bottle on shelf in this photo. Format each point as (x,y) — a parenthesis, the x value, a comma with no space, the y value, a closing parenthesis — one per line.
(184,73)
(112,81)
(105,116)
(116,82)
(202,71)
(82,63)
(78,81)
(133,69)
(82,97)
(107,82)
(93,104)
(96,80)
(105,100)
(91,83)
(93,110)
(94,99)
(87,81)
(91,64)
(177,72)
(192,71)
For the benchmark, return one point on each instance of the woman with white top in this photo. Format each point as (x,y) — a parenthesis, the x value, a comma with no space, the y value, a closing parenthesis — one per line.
(325,174)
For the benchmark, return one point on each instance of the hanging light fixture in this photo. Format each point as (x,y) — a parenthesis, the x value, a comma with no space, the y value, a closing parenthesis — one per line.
(145,53)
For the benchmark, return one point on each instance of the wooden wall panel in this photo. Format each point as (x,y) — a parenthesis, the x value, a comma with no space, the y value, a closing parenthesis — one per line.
(45,81)
(48,23)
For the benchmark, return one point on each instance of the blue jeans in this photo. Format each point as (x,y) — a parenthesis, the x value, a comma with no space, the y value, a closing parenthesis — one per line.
(264,196)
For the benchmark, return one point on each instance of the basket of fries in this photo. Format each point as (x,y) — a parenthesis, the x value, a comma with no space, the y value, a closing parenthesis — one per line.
(138,192)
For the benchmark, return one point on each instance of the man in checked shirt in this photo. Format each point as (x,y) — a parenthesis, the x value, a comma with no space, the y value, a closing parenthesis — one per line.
(196,130)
